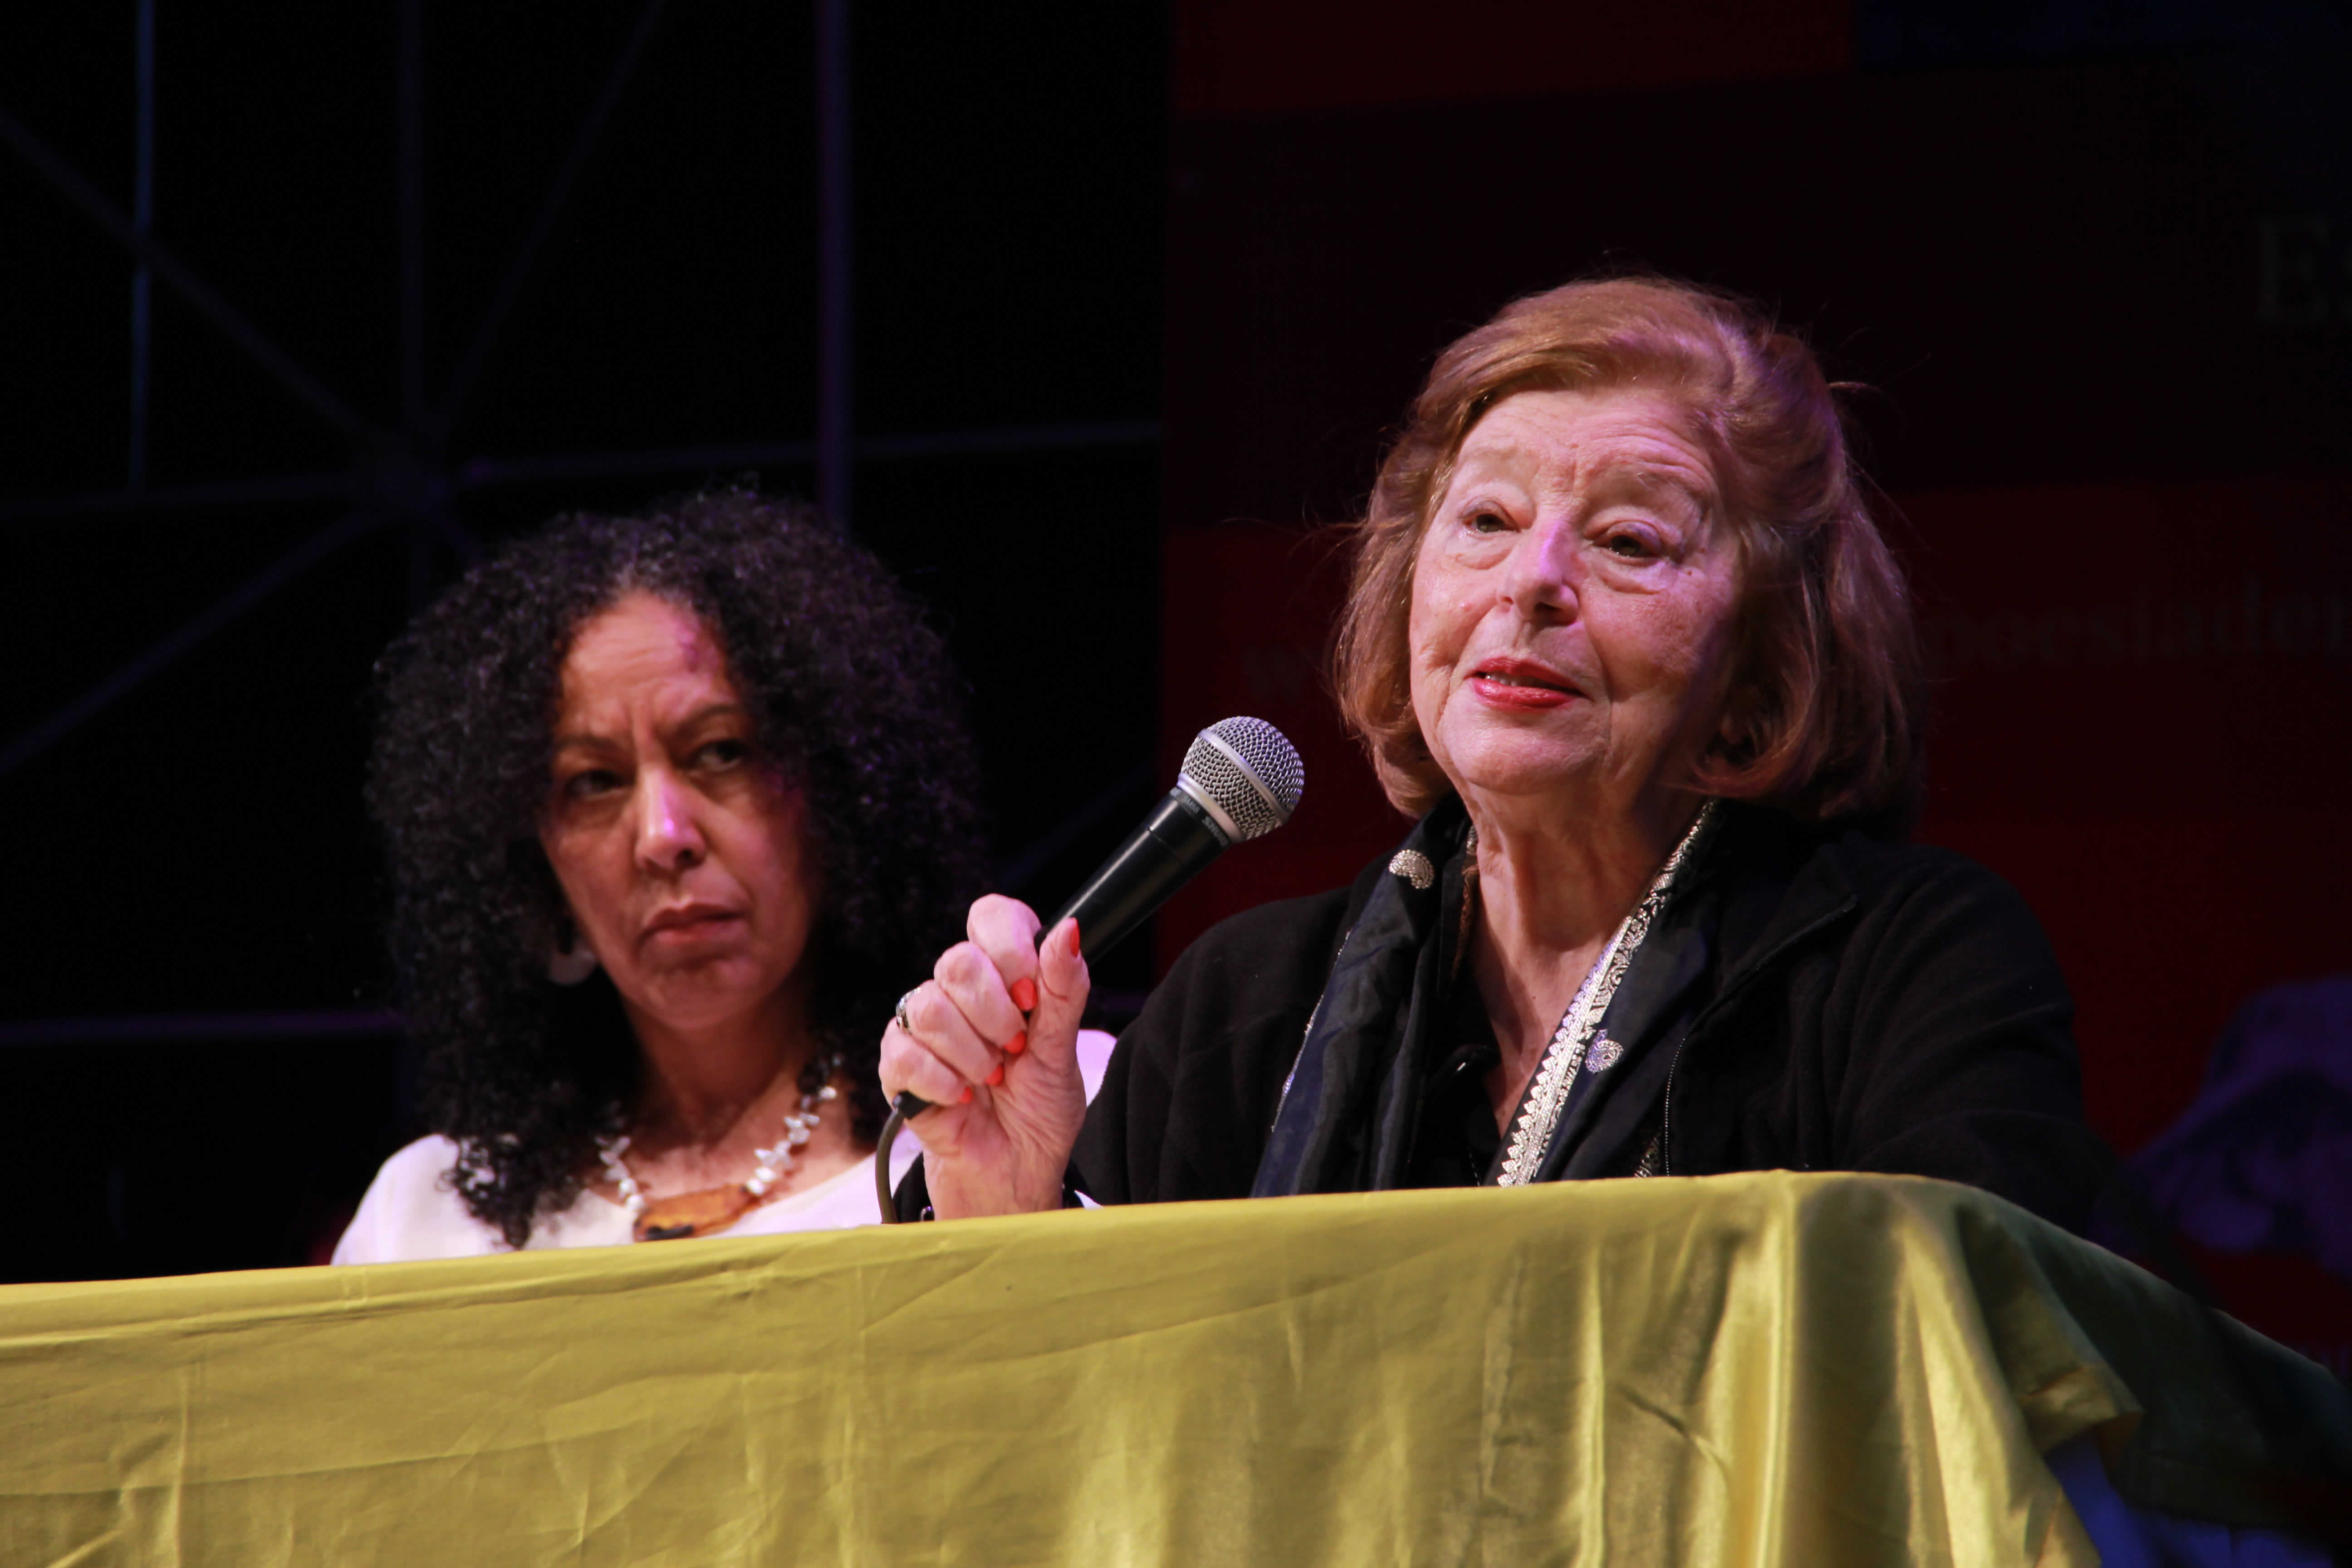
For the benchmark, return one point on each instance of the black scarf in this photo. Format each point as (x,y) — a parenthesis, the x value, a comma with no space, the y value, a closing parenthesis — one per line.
(1352,1107)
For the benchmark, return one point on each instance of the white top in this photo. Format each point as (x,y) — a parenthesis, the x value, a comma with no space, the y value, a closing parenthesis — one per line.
(411,1213)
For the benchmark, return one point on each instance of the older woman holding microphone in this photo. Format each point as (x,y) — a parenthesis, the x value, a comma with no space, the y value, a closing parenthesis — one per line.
(1625,639)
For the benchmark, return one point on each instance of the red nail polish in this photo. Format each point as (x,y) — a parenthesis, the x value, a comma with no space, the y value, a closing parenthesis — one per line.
(1074,939)
(995,1076)
(1017,1045)
(1024,994)
(965,1098)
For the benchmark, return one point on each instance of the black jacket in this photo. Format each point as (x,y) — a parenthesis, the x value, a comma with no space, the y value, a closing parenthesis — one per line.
(1859,1005)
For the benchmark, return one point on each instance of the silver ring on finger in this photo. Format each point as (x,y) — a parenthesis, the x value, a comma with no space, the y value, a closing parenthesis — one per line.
(899,1011)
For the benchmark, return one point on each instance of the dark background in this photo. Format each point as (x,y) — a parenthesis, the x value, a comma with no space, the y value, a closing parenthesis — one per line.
(1176,269)
(197,849)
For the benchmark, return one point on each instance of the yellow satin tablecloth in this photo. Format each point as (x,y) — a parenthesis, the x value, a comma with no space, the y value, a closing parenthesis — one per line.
(1769,1369)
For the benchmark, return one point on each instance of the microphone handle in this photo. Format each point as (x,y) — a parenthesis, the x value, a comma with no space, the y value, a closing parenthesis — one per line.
(1175,842)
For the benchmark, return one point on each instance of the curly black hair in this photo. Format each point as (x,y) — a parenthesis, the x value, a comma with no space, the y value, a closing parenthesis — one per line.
(853,699)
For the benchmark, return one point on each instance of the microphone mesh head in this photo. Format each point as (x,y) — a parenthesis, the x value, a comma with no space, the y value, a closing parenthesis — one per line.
(1254,776)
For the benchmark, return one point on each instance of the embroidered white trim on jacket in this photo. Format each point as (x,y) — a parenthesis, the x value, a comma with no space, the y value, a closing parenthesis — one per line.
(1531,1134)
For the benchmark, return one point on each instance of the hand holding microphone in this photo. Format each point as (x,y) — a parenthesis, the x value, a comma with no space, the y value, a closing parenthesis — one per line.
(1001,1096)
(986,1051)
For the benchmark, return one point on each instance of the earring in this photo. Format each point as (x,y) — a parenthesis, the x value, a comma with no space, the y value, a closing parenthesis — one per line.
(573,962)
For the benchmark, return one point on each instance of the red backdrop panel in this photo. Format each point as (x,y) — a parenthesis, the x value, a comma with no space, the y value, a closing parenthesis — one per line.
(2143,718)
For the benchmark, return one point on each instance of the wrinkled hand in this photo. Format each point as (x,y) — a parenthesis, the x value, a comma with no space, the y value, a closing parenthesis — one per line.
(1002,1077)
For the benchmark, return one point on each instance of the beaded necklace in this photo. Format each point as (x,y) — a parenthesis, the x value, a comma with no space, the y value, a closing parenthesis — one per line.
(713,1209)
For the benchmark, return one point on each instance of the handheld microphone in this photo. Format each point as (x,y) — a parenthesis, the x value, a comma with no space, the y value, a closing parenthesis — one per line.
(1241,779)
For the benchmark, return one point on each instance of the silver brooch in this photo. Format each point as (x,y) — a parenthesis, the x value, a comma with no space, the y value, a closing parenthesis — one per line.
(1414,868)
(1602,1054)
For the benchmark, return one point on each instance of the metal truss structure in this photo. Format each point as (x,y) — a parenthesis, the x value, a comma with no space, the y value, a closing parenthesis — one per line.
(406,477)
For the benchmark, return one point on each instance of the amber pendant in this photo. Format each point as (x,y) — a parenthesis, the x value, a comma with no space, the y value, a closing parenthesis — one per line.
(705,1213)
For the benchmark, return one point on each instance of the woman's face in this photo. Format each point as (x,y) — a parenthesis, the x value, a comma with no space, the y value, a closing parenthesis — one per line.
(683,856)
(1572,602)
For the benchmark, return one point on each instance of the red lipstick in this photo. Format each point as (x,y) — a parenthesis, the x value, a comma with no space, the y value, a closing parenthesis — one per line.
(1521,685)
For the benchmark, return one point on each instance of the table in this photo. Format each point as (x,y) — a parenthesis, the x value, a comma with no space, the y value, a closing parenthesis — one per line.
(1760,1369)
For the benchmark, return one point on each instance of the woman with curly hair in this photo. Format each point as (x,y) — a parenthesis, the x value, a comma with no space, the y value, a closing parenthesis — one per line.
(675,806)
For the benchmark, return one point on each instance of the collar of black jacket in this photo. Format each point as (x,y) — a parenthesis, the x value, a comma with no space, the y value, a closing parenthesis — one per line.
(1764,888)
(1347,1115)
(1350,1109)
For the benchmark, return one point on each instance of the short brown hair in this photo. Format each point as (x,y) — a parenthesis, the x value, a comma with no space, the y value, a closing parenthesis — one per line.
(1825,669)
